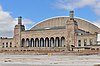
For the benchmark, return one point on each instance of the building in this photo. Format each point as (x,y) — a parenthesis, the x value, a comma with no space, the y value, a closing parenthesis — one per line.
(58,32)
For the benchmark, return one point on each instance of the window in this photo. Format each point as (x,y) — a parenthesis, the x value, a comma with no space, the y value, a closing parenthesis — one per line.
(2,45)
(80,34)
(6,44)
(79,42)
(91,41)
(15,46)
(10,44)
(85,42)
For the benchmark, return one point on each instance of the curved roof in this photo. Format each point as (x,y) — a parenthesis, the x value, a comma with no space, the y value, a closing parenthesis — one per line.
(61,21)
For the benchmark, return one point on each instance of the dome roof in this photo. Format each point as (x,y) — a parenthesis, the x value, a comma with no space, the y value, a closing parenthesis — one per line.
(61,21)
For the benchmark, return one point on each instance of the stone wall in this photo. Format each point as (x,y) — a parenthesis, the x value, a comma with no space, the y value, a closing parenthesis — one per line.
(7,41)
(88,38)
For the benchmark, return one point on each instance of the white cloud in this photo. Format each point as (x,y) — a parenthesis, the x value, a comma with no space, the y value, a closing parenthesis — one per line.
(97,8)
(75,4)
(7,23)
(25,21)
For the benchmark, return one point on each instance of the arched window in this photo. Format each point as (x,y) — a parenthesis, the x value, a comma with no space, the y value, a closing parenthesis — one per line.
(47,42)
(57,42)
(32,42)
(52,42)
(41,42)
(62,42)
(23,42)
(37,42)
(27,42)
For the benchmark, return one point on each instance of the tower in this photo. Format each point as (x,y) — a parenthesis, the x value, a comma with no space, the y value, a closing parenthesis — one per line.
(17,32)
(72,29)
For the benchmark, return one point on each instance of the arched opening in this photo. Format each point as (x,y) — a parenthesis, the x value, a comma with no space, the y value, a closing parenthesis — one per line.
(41,42)
(57,42)
(32,42)
(62,42)
(27,42)
(47,42)
(23,42)
(52,42)
(36,42)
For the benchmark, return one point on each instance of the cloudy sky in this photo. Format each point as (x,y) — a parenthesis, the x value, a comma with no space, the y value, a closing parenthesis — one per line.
(34,11)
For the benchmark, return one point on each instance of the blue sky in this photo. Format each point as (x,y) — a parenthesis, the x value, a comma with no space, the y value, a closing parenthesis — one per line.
(38,10)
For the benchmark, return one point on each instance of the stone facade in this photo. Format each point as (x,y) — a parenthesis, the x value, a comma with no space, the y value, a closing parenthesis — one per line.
(59,32)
